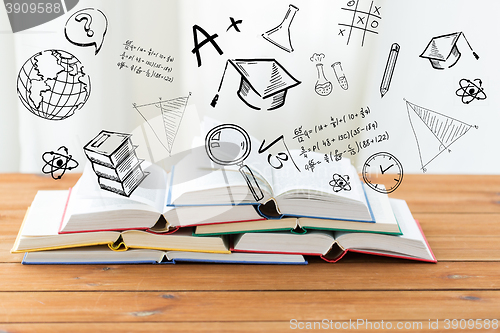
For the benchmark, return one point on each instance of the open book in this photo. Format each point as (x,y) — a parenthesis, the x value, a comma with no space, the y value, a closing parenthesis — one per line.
(331,246)
(284,192)
(197,192)
(385,222)
(91,209)
(103,255)
(39,231)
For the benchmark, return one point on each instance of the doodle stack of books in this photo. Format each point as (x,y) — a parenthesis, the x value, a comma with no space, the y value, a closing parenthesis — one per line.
(115,162)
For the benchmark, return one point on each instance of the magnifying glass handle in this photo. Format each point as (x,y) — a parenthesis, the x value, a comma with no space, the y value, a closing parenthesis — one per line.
(251,182)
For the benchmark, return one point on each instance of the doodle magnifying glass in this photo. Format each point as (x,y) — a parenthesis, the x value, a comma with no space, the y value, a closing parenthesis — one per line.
(229,144)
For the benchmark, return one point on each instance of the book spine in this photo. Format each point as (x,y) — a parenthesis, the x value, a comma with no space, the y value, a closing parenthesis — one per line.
(333,258)
(99,158)
(112,160)
(125,187)
(120,172)
(105,172)
(122,152)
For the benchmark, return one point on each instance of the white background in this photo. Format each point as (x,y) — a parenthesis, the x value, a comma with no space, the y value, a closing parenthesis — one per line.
(166,26)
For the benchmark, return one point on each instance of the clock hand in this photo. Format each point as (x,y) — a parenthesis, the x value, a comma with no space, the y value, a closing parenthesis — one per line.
(383,171)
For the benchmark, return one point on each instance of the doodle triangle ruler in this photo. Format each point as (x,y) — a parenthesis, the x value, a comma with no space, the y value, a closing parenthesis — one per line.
(434,132)
(171,113)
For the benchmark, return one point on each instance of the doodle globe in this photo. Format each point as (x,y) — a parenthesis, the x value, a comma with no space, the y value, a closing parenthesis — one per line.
(53,84)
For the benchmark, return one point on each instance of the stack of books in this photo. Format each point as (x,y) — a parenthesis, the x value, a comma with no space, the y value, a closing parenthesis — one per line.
(113,158)
(210,215)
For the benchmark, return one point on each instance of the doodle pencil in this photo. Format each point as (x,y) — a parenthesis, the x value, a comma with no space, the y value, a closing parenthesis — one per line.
(389,69)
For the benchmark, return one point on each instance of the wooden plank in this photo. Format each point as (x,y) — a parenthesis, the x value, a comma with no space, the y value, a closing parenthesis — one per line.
(462,236)
(221,327)
(391,275)
(460,224)
(465,248)
(11,221)
(241,327)
(449,193)
(450,200)
(64,307)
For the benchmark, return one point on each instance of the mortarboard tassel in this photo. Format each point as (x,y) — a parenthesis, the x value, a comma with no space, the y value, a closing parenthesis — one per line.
(473,53)
(214,100)
(216,97)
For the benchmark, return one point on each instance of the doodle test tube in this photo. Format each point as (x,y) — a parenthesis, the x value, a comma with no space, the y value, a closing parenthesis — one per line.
(389,69)
(339,73)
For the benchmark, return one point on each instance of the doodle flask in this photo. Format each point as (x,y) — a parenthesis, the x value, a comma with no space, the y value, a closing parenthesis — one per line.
(280,35)
(323,87)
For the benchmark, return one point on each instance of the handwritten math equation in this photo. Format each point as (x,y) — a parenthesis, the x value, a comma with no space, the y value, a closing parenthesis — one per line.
(146,62)
(337,140)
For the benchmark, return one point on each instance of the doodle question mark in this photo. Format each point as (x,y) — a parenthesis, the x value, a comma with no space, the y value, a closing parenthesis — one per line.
(91,32)
(85,17)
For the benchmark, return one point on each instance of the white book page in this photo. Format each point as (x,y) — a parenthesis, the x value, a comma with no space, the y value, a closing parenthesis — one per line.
(410,243)
(381,207)
(45,214)
(200,180)
(313,242)
(89,206)
(196,173)
(149,195)
(320,179)
(406,222)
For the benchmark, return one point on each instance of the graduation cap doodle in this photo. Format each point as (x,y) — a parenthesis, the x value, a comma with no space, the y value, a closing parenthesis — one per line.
(263,85)
(442,51)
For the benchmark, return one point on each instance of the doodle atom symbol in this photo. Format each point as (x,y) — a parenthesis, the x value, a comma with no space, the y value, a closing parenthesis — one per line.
(59,161)
(340,183)
(470,91)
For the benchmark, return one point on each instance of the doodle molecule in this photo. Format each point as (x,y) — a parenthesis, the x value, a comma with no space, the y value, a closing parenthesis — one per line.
(340,183)
(470,91)
(56,163)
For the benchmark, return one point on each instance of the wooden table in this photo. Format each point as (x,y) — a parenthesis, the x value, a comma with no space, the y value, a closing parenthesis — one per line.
(460,216)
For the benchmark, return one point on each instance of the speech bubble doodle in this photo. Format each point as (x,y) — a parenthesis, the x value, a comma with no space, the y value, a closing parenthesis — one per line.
(87,27)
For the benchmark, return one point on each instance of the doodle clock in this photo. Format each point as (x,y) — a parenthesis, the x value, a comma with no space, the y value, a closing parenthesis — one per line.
(382,163)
